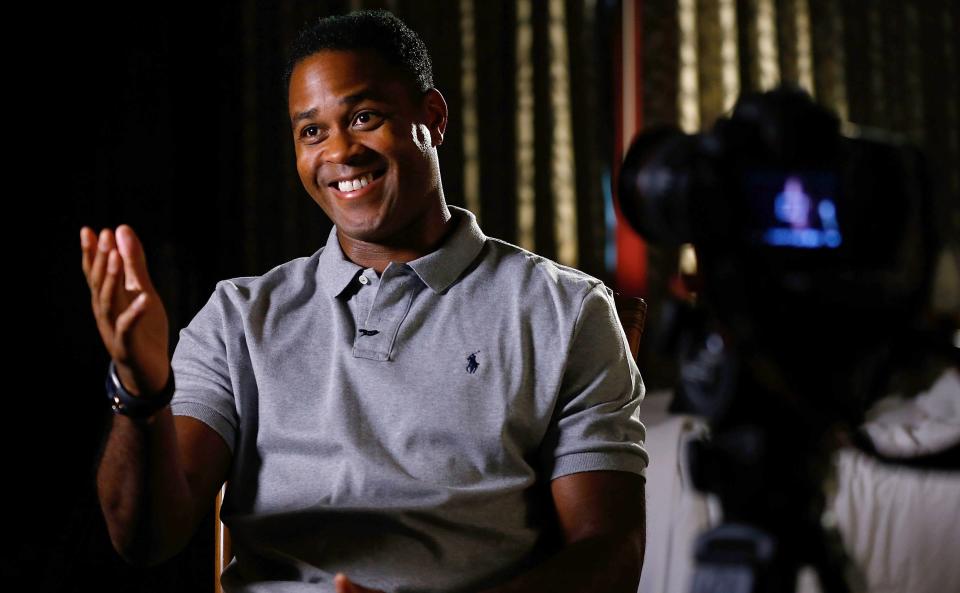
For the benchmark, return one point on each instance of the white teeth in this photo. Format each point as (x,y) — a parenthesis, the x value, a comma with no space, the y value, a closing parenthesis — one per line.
(355,184)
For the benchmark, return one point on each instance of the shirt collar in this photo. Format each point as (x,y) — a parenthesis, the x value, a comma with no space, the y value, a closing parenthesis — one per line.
(441,268)
(438,269)
(334,271)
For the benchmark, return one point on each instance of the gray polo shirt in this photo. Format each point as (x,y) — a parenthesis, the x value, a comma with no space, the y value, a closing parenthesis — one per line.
(403,427)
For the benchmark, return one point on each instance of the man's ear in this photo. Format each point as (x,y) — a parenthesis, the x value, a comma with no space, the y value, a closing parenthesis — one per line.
(436,109)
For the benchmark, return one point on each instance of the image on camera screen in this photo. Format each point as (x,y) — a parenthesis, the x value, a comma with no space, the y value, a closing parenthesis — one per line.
(797,210)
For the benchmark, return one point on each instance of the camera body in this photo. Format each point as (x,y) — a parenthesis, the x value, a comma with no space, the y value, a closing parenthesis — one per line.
(814,248)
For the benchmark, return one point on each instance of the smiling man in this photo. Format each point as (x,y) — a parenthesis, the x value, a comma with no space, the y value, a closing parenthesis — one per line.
(414,407)
(366,138)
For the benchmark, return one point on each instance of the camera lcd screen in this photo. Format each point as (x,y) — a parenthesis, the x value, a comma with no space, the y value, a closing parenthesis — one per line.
(794,210)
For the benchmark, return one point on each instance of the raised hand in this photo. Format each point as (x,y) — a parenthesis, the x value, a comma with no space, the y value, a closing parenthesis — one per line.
(129,313)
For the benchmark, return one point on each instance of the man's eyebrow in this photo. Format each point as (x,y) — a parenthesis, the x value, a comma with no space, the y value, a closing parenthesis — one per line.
(348,100)
(363,95)
(298,117)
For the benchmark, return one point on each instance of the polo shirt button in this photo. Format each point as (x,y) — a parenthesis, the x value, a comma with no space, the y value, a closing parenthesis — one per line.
(363,280)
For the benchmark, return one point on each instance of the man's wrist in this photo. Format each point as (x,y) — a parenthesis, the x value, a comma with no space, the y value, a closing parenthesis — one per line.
(142,405)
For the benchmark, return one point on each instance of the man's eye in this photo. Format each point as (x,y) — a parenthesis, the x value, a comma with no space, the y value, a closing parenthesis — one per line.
(366,119)
(312,134)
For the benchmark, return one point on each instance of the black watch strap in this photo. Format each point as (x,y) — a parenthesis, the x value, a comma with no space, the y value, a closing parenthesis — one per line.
(123,402)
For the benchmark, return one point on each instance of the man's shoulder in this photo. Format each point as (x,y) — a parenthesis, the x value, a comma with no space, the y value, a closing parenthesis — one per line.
(282,281)
(535,274)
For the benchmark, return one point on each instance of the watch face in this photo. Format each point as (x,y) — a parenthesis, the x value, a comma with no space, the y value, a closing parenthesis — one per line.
(116,394)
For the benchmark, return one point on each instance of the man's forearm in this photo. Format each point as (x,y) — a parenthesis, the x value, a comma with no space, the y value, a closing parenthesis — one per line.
(143,490)
(608,563)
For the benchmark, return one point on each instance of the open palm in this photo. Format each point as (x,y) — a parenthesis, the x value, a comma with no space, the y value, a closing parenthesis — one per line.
(129,313)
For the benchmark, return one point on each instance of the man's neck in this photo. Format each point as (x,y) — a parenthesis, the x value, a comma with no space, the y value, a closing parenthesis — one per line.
(417,244)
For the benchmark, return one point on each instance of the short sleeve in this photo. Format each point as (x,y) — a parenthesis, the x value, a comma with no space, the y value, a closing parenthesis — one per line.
(201,370)
(596,424)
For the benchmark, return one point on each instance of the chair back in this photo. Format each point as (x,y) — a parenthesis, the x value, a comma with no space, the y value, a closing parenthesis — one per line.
(632,312)
(222,550)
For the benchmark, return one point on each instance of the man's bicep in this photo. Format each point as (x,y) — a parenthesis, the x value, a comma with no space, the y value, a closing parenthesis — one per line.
(600,503)
(596,423)
(204,405)
(203,369)
(205,458)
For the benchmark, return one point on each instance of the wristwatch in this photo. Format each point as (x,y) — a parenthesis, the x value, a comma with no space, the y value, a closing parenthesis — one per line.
(123,402)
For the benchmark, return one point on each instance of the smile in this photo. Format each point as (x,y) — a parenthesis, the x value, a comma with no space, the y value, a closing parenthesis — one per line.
(358,186)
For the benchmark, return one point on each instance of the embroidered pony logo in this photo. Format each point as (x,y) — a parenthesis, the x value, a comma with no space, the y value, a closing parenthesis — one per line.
(472,364)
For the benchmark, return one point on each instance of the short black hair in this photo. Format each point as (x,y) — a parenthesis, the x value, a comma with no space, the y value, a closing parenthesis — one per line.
(378,30)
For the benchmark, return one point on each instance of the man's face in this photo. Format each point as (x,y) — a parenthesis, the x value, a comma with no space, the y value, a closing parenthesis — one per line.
(356,123)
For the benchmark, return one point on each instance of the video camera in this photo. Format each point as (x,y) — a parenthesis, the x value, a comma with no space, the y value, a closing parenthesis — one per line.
(815,249)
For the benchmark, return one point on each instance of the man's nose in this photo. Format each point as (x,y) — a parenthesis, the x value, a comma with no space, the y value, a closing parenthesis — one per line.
(341,147)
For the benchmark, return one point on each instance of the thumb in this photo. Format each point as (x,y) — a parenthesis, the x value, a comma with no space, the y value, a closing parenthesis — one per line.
(134,260)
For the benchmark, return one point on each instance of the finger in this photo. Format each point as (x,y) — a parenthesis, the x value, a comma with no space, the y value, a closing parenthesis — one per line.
(87,246)
(134,259)
(99,265)
(107,289)
(342,583)
(121,297)
(345,585)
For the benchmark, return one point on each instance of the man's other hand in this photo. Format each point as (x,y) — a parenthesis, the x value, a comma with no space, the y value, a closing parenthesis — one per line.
(345,585)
